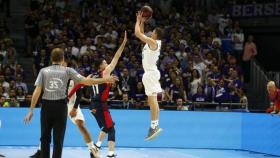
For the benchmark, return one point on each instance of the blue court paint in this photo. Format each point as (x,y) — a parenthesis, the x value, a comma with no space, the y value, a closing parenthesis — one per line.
(181,129)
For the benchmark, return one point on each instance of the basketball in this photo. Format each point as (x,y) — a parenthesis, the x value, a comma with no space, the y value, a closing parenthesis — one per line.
(147,11)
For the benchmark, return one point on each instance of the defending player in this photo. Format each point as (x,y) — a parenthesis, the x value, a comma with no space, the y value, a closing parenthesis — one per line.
(99,98)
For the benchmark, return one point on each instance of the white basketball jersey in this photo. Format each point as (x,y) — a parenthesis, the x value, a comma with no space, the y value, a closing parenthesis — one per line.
(150,57)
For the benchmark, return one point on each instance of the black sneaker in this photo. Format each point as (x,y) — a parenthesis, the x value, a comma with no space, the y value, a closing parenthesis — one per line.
(36,155)
(153,133)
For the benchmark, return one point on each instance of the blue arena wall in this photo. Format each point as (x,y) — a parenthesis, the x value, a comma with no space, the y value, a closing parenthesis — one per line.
(181,129)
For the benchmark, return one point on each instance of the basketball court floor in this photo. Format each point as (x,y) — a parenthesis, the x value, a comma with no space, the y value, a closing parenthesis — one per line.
(82,152)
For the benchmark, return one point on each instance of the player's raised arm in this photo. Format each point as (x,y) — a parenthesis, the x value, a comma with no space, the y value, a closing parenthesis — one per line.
(118,54)
(151,42)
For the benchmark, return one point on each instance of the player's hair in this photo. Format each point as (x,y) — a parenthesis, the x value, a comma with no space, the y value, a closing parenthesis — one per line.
(57,55)
(98,62)
(159,32)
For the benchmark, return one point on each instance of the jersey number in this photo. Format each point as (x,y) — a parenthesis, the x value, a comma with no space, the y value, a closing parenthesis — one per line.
(95,89)
(53,85)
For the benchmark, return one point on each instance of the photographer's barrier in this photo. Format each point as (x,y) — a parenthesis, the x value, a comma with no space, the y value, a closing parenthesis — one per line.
(181,129)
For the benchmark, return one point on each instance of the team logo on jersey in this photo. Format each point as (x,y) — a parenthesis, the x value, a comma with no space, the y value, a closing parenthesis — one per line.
(54,84)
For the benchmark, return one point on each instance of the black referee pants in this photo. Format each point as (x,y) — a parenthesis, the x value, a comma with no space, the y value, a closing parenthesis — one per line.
(53,117)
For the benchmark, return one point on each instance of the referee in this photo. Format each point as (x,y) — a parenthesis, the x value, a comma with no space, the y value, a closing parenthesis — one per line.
(53,81)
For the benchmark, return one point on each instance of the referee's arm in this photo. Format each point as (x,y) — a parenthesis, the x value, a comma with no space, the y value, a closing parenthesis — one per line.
(35,96)
(93,81)
(89,81)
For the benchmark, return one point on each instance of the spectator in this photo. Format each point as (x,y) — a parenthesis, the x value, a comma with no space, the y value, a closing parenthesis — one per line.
(20,96)
(250,50)
(195,82)
(180,105)
(74,50)
(40,61)
(4,83)
(274,96)
(13,102)
(3,52)
(127,83)
(85,64)
(126,101)
(199,65)
(222,93)
(177,91)
(199,96)
(115,92)
(68,55)
(12,93)
(238,40)
(88,47)
(139,96)
(4,102)
(8,73)
(31,29)
(169,57)
(20,83)
(3,92)
(243,99)
(19,70)
(233,93)
(210,90)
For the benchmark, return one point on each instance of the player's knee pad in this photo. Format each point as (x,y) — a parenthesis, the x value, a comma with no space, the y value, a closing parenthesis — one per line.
(111,134)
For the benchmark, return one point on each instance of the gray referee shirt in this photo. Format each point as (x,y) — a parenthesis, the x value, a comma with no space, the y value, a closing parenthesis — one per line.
(54,79)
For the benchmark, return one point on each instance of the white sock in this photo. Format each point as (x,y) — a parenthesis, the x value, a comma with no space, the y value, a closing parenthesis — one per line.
(110,153)
(154,123)
(90,145)
(98,143)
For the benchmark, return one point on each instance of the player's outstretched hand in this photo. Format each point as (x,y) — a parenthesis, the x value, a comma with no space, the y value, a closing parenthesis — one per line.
(28,117)
(73,112)
(89,76)
(139,16)
(125,37)
(112,79)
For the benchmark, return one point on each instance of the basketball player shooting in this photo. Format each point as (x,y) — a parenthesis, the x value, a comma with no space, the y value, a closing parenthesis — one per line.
(150,56)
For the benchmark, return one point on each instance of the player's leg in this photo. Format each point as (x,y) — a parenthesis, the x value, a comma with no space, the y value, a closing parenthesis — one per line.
(154,108)
(154,130)
(79,121)
(80,124)
(100,139)
(92,148)
(152,87)
(105,122)
(111,142)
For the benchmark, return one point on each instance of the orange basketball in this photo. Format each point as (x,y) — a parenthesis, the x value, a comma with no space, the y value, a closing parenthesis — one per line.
(147,11)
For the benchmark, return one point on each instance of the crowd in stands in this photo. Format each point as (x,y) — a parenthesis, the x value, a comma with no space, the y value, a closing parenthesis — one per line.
(13,90)
(199,61)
